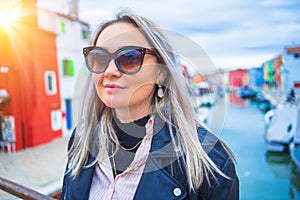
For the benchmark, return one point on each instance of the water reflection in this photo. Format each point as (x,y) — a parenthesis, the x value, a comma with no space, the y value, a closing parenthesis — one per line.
(235,99)
(295,182)
(283,168)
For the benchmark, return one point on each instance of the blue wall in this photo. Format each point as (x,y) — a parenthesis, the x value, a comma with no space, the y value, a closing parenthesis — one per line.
(291,70)
(256,77)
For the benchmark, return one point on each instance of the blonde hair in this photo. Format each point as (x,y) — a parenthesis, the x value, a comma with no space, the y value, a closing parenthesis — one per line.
(95,130)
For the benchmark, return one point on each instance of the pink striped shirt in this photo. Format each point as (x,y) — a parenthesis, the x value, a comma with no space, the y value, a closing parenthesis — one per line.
(124,185)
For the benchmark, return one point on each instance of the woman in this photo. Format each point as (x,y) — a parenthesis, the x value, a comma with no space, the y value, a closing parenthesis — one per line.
(138,137)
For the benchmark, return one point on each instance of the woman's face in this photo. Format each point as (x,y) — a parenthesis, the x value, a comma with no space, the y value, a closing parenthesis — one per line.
(126,91)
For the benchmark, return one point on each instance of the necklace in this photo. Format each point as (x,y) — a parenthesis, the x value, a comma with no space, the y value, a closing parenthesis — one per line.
(132,148)
(113,161)
(125,149)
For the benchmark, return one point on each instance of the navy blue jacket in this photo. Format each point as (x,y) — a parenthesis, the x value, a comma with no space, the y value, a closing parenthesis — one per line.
(162,180)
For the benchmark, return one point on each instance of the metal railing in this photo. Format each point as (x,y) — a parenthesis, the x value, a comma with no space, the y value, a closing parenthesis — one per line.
(21,191)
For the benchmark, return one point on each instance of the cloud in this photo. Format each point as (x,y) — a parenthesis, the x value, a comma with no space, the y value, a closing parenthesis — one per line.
(234,33)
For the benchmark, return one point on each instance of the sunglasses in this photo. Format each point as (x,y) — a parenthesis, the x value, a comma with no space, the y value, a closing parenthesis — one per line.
(128,59)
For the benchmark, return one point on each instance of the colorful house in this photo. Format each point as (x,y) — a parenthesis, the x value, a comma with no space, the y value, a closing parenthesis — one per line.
(29,81)
(40,58)
(291,64)
(256,77)
(273,72)
(72,35)
(282,72)
(238,78)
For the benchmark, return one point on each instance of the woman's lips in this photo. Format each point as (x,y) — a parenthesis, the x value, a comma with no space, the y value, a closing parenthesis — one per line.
(113,87)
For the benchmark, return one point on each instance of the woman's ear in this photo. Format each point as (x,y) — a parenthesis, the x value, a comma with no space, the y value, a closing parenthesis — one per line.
(162,74)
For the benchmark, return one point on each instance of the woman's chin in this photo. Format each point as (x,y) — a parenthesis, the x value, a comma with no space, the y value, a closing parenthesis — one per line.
(114,104)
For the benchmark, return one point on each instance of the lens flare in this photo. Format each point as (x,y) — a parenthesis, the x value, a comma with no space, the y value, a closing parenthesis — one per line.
(9,13)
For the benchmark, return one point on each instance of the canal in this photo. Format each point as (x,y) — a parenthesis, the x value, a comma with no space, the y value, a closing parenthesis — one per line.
(263,175)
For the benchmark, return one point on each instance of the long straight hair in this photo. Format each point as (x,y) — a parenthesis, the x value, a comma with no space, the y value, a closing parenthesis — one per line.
(95,129)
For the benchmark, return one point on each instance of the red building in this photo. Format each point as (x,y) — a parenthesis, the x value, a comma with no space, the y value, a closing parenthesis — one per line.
(238,78)
(29,77)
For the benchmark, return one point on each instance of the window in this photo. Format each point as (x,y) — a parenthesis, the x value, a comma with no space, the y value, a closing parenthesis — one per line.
(4,69)
(62,27)
(68,67)
(56,120)
(50,82)
(85,34)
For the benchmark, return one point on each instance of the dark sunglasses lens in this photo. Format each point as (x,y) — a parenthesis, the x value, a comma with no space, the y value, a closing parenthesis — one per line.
(97,60)
(130,60)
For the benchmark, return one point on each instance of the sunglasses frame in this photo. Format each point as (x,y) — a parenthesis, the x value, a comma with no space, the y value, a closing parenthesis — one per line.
(114,55)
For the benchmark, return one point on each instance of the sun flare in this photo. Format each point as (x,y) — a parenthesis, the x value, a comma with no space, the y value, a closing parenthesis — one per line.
(9,13)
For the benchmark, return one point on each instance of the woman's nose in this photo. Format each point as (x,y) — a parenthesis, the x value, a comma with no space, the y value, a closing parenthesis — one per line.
(112,69)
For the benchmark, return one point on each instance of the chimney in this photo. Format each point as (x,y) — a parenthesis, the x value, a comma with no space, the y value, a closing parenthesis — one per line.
(73,8)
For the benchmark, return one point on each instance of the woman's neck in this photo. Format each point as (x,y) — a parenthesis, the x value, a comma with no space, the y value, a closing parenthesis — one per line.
(126,115)
(130,133)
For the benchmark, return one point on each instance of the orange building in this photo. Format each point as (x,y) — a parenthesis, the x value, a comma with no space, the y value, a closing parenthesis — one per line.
(29,77)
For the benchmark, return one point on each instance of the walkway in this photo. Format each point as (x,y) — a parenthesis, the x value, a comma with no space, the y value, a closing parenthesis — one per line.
(40,168)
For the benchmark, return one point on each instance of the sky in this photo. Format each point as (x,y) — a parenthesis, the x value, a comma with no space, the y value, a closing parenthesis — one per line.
(233,33)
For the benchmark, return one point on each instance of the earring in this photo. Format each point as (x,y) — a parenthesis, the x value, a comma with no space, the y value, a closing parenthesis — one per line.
(160,92)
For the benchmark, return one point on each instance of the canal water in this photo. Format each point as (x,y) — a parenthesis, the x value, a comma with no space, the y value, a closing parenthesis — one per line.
(262,174)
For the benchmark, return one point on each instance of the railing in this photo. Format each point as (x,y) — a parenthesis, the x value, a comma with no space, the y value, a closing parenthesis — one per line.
(22,192)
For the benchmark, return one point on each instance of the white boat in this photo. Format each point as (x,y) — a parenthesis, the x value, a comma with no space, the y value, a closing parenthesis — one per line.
(209,99)
(203,114)
(281,126)
(295,144)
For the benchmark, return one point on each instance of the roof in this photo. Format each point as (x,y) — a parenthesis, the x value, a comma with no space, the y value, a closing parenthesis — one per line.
(294,49)
(69,17)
